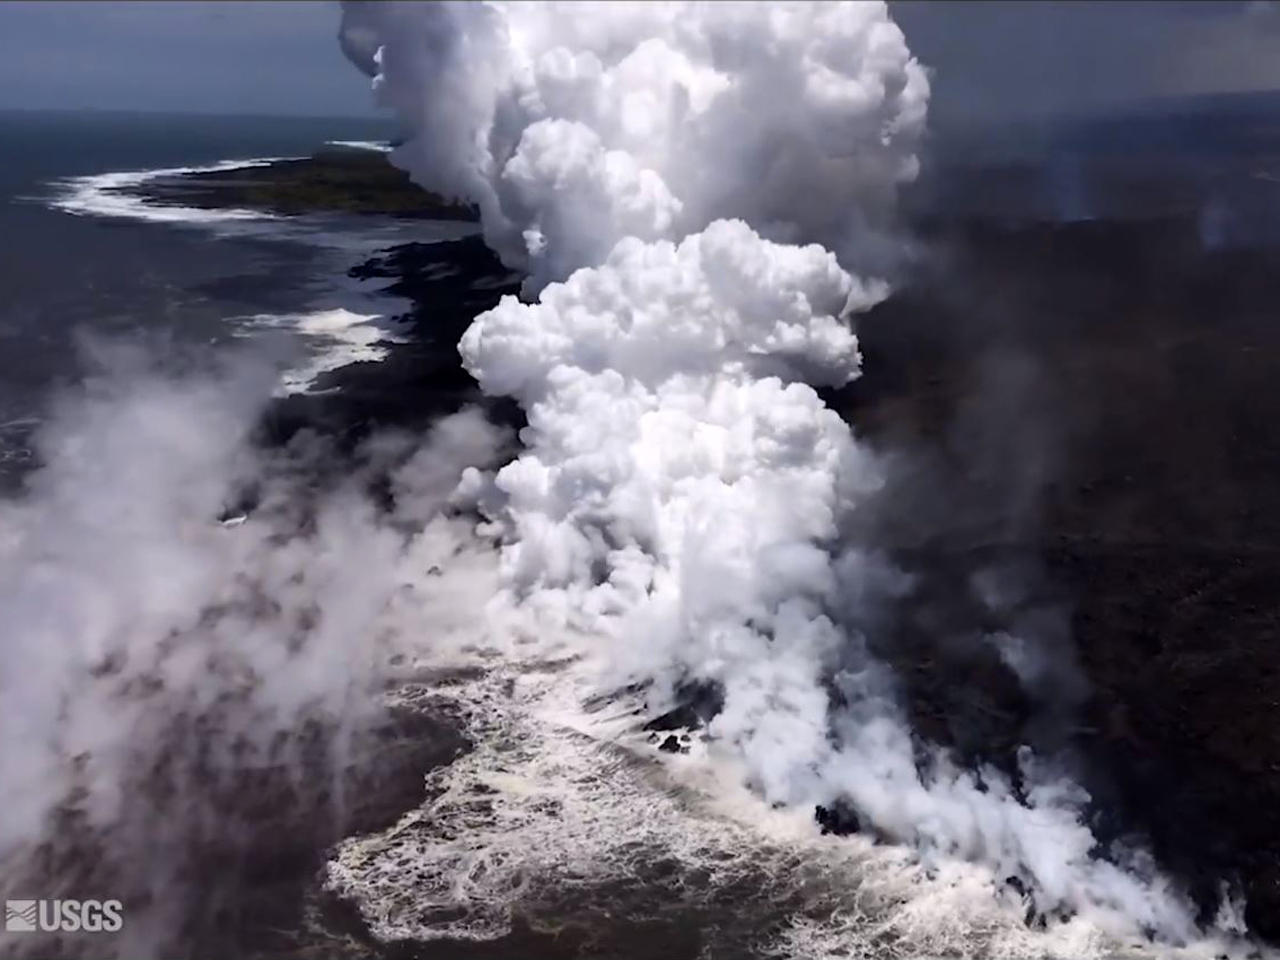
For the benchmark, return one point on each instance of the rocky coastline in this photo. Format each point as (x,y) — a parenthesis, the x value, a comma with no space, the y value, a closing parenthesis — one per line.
(331,180)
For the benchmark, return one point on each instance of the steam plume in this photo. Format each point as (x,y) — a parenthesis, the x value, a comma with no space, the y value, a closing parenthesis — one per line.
(656,168)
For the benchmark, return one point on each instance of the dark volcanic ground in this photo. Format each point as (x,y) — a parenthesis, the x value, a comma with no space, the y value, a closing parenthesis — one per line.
(1093,406)
(337,180)
(1083,412)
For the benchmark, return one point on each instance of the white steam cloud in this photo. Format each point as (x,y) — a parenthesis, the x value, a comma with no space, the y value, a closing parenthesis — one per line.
(574,126)
(165,655)
(679,505)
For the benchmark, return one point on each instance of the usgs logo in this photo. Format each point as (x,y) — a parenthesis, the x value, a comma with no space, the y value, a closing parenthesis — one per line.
(63,916)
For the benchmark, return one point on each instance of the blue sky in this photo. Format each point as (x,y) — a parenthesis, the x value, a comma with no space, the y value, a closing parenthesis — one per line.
(203,56)
(1006,58)
(990,59)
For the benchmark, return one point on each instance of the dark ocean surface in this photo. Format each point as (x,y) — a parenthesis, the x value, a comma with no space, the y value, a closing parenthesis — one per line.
(67,274)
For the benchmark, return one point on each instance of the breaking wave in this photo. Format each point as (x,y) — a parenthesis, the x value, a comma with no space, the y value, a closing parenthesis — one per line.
(108,195)
(343,321)
(378,146)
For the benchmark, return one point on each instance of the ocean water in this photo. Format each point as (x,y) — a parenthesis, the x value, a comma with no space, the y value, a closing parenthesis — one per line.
(81,261)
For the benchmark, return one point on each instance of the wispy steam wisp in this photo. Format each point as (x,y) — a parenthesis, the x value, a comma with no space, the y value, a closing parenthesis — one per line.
(177,675)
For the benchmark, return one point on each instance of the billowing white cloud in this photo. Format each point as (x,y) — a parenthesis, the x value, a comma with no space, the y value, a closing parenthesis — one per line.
(657,169)
(574,128)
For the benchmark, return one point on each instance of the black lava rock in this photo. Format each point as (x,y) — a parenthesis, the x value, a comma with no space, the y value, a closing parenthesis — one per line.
(840,818)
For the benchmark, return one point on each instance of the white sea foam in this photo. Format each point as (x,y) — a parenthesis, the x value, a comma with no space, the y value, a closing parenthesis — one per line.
(560,811)
(108,195)
(113,195)
(332,338)
(343,320)
(379,146)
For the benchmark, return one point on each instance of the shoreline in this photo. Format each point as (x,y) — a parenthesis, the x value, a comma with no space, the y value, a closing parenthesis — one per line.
(335,179)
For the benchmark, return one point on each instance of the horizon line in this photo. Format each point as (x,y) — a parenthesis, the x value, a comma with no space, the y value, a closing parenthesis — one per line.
(143,111)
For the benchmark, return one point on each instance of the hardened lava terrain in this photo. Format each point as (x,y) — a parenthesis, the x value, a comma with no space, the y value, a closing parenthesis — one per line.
(1094,406)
